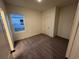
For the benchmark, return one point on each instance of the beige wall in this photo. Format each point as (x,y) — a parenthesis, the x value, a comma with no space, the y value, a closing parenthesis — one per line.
(75,49)
(32,20)
(56,21)
(66,19)
(74,42)
(1,4)
(48,21)
(52,22)
(35,22)
(73,32)
(4,46)
(4,18)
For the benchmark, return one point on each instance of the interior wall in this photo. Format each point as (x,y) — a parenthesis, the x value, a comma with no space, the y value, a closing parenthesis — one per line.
(73,32)
(7,31)
(66,19)
(75,49)
(48,21)
(56,21)
(4,46)
(74,53)
(1,4)
(32,20)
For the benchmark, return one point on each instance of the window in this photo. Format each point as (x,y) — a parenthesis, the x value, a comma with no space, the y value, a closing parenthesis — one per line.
(18,22)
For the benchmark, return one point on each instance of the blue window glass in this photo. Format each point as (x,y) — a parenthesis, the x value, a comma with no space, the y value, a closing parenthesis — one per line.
(18,22)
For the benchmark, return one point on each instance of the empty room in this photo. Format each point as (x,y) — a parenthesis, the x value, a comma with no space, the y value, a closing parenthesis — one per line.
(39,29)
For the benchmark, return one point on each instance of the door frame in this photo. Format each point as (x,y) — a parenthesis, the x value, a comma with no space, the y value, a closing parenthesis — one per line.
(6,28)
(73,33)
(75,45)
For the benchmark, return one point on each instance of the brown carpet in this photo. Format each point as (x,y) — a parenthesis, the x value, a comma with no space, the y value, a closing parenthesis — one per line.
(41,47)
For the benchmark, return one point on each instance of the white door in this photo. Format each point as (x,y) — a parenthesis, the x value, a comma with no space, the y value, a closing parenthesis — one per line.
(75,50)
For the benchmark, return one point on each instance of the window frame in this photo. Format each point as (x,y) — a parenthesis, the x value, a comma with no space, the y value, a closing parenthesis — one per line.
(13,25)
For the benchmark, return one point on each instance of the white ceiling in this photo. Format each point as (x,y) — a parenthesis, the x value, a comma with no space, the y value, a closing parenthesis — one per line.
(45,4)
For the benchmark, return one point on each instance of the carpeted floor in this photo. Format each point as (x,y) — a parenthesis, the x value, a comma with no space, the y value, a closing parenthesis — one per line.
(41,47)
